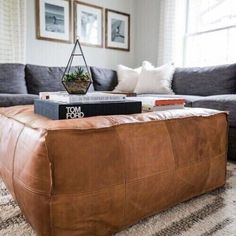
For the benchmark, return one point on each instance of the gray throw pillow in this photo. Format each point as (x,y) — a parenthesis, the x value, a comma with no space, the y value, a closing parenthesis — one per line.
(12,79)
(103,79)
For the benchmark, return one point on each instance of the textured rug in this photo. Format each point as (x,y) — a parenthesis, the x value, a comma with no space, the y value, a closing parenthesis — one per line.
(210,214)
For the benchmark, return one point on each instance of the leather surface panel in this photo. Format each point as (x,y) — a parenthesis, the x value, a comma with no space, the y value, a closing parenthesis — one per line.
(98,211)
(97,175)
(31,165)
(143,156)
(148,195)
(35,207)
(85,161)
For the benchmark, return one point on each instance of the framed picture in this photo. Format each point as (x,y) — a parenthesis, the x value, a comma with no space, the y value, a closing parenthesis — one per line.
(117,30)
(54,20)
(88,24)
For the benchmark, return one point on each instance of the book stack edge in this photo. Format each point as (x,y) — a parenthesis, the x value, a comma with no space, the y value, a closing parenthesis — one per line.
(150,104)
(61,105)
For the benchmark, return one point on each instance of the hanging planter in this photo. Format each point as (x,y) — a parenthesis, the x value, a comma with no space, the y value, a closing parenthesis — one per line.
(76,80)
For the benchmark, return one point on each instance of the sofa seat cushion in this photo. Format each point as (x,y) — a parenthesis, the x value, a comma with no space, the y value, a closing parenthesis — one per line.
(103,79)
(232,143)
(205,81)
(12,78)
(188,99)
(7,100)
(220,102)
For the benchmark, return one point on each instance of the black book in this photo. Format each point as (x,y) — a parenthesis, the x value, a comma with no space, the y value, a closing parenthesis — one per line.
(59,111)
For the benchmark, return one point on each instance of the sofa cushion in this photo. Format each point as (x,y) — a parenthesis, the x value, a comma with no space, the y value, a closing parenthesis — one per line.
(188,99)
(232,143)
(127,78)
(7,100)
(155,80)
(103,79)
(205,81)
(44,79)
(220,102)
(12,78)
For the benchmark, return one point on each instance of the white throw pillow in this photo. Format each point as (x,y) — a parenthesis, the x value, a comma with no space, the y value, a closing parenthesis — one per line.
(128,77)
(147,65)
(155,80)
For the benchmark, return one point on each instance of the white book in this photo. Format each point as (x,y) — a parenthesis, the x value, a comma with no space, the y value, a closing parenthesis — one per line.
(149,101)
(89,97)
(147,108)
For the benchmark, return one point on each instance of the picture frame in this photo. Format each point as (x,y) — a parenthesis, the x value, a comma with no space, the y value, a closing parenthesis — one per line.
(117,30)
(88,24)
(53,20)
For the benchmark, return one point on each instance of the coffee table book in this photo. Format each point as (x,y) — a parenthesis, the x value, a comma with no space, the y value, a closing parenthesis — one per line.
(59,111)
(63,96)
(150,104)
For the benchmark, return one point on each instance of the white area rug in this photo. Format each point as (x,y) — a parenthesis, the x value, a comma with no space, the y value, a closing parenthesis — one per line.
(210,214)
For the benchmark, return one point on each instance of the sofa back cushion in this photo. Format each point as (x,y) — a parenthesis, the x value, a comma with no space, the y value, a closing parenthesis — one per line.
(205,81)
(103,79)
(44,79)
(12,79)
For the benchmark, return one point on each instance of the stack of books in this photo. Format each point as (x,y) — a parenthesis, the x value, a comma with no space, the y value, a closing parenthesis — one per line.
(61,105)
(160,104)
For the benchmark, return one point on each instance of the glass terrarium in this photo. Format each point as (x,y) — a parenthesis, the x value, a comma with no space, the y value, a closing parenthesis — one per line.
(77,79)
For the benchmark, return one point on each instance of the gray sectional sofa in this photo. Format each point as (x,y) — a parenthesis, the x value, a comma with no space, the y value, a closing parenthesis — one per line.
(208,87)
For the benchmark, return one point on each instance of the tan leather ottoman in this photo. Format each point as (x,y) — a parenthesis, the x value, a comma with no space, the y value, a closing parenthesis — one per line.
(97,175)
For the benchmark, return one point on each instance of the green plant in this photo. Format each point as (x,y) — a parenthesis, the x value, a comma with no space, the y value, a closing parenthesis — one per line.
(79,74)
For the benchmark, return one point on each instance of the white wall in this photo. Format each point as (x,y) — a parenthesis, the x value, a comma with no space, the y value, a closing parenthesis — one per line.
(146,30)
(48,53)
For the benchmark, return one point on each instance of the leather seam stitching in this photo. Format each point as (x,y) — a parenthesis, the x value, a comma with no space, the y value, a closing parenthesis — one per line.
(13,162)
(30,189)
(51,185)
